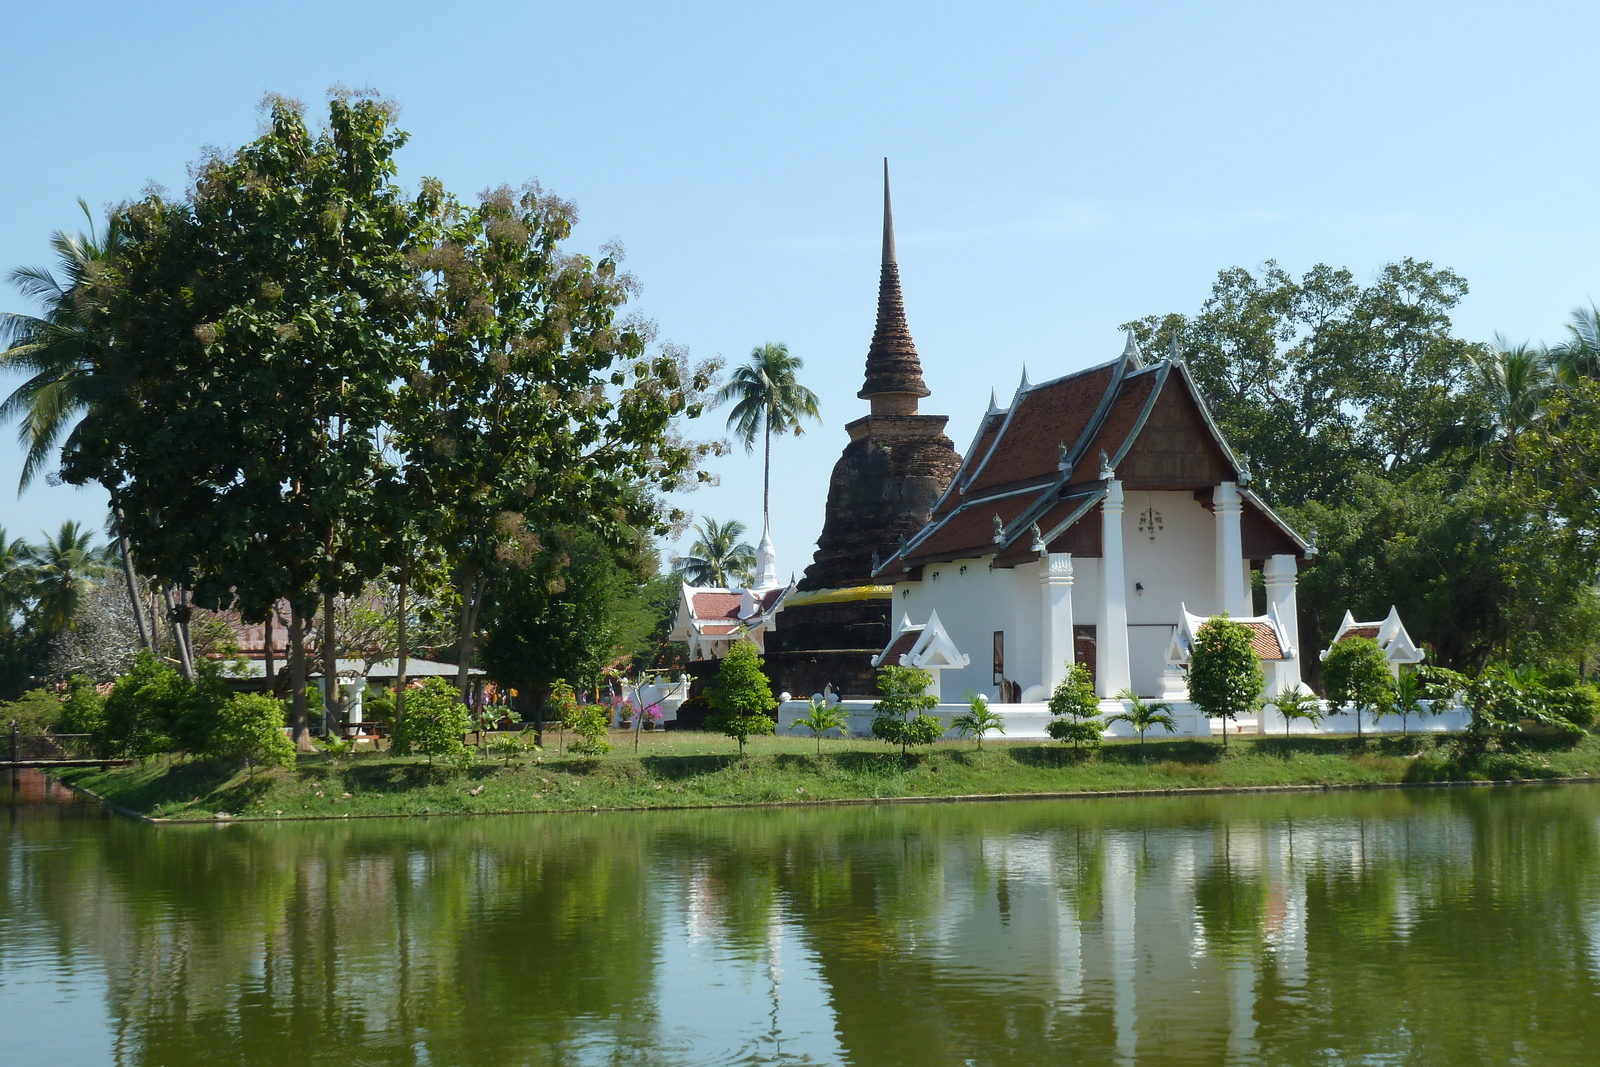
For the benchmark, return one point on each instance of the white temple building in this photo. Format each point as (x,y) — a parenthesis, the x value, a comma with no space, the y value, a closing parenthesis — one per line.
(1098,518)
(711,619)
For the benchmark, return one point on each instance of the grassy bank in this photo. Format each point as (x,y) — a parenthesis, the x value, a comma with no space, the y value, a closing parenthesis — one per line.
(702,770)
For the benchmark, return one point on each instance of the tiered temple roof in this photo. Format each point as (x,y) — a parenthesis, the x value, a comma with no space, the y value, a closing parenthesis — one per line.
(1039,466)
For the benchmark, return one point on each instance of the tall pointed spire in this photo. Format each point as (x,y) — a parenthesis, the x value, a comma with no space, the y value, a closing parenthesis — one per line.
(894,373)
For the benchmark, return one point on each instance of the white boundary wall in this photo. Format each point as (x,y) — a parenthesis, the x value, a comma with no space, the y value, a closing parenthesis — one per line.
(1030,722)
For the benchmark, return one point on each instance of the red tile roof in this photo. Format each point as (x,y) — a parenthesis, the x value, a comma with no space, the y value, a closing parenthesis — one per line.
(716,605)
(1013,468)
(1361,631)
(1044,418)
(1264,640)
(900,646)
(1120,422)
(718,629)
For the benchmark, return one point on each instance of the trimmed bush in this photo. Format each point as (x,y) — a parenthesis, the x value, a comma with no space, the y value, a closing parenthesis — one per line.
(740,696)
(898,718)
(435,720)
(249,729)
(1225,678)
(1076,709)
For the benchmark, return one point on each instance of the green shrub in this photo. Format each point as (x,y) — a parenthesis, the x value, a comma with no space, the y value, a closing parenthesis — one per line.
(898,718)
(740,696)
(1579,703)
(249,729)
(38,710)
(1075,709)
(145,708)
(435,720)
(589,724)
(377,706)
(84,710)
(1356,674)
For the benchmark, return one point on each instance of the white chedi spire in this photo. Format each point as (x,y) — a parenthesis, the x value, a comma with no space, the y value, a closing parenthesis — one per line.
(766,560)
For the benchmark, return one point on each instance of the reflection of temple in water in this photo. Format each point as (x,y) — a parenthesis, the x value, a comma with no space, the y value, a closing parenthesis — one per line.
(1205,931)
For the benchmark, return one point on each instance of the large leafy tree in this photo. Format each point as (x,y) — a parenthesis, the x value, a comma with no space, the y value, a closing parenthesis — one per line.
(768,399)
(556,618)
(1324,375)
(261,323)
(717,557)
(537,407)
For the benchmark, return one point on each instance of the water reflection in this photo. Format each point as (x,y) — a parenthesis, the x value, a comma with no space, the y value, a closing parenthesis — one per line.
(1439,927)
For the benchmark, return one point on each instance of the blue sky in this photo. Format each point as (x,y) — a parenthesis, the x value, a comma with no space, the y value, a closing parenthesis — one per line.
(1058,169)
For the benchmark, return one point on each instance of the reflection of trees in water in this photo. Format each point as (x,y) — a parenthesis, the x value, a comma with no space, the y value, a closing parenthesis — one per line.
(400,942)
(1204,929)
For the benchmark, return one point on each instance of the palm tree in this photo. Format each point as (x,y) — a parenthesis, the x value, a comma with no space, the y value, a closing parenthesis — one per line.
(822,719)
(1579,355)
(68,360)
(1408,696)
(978,721)
(1297,704)
(59,570)
(767,400)
(1142,716)
(718,557)
(1514,380)
(14,579)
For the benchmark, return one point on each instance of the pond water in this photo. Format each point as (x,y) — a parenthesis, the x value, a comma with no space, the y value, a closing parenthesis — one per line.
(1417,927)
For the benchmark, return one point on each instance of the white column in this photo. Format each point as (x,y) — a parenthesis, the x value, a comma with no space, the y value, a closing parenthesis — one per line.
(1055,589)
(1111,637)
(1233,595)
(1279,574)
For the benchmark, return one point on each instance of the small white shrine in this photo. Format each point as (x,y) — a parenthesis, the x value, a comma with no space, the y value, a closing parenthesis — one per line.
(925,646)
(711,619)
(1391,635)
(1272,641)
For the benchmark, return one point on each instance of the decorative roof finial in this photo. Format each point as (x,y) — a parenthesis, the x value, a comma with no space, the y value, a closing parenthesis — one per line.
(1130,352)
(999,530)
(1174,351)
(994,404)
(888,219)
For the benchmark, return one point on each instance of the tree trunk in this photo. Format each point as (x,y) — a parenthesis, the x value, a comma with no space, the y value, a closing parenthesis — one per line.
(299,715)
(401,652)
(471,593)
(146,631)
(330,666)
(266,650)
(181,646)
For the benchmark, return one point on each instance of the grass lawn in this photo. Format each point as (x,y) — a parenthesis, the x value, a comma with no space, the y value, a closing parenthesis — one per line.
(689,769)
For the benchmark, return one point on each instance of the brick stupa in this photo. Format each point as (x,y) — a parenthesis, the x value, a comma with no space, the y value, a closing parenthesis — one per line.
(882,491)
